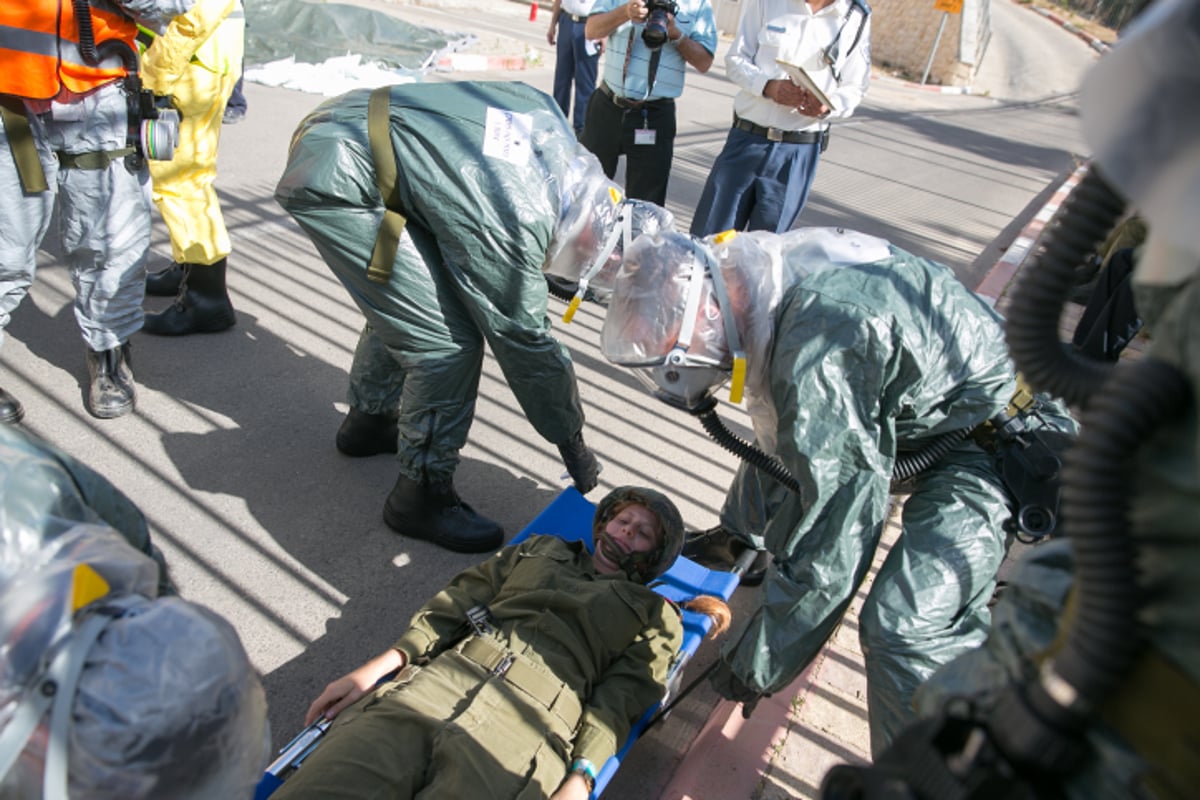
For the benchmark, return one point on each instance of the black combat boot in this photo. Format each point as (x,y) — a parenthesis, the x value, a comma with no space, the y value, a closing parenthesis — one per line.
(581,463)
(435,512)
(11,411)
(202,305)
(363,434)
(717,548)
(165,283)
(111,393)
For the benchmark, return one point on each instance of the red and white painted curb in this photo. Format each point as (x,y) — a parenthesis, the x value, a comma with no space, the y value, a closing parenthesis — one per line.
(471,62)
(1001,275)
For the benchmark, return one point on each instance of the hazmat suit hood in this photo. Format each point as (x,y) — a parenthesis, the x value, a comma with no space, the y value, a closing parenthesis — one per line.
(666,317)
(645,567)
(162,700)
(596,226)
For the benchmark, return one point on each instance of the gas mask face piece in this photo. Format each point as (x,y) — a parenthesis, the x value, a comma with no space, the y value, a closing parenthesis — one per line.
(665,319)
(685,387)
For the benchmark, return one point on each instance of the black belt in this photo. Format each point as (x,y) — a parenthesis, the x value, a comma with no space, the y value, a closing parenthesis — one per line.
(625,102)
(780,135)
(577,17)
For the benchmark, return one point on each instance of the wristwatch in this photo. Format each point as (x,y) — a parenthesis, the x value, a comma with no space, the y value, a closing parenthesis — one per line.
(587,770)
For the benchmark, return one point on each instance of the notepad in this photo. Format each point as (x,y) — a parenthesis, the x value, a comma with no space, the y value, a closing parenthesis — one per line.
(801,77)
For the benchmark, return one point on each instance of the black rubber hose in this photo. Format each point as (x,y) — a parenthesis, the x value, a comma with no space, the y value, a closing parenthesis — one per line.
(914,463)
(1088,215)
(87,41)
(1103,640)
(87,36)
(707,412)
(904,468)
(556,289)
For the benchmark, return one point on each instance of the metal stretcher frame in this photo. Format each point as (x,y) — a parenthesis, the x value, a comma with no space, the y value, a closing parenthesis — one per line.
(568,516)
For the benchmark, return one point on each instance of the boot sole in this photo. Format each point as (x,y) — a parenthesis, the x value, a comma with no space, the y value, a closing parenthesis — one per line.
(112,413)
(358,451)
(400,524)
(215,326)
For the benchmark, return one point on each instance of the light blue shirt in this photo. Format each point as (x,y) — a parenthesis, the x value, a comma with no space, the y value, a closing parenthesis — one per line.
(695,20)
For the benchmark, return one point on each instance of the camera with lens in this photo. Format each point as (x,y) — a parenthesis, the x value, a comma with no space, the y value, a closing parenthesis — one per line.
(655,32)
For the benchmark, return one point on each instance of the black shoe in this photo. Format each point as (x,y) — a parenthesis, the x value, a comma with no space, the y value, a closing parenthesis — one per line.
(11,411)
(233,115)
(716,548)
(581,463)
(165,283)
(111,393)
(202,305)
(362,434)
(435,512)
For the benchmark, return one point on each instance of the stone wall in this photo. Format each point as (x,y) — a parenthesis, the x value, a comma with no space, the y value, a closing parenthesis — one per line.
(904,32)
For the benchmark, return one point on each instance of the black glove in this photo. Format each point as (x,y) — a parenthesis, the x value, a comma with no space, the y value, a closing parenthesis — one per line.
(731,687)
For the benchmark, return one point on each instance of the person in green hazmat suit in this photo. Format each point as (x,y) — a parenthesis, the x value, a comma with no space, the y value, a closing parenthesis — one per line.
(1088,685)
(438,207)
(200,78)
(112,686)
(855,355)
(520,678)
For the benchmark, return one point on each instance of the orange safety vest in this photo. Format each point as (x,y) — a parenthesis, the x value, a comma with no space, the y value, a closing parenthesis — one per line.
(39,48)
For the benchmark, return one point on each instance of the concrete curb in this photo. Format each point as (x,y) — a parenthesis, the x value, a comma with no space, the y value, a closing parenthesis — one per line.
(1099,45)
(1000,276)
(709,771)
(472,62)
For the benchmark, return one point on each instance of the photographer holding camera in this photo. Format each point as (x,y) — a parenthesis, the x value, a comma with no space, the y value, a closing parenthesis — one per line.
(762,176)
(632,112)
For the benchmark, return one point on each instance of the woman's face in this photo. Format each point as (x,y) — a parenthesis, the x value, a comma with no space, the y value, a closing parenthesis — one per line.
(633,529)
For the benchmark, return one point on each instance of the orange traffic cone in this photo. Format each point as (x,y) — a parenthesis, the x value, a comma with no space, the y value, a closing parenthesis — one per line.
(533,11)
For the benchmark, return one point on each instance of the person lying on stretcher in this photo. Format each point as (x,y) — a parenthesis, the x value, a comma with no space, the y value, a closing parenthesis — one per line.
(520,676)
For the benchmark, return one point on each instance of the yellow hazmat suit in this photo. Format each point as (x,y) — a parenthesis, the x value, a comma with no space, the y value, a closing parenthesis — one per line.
(197,60)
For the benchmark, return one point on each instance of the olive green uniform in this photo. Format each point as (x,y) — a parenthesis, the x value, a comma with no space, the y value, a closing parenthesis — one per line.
(594,649)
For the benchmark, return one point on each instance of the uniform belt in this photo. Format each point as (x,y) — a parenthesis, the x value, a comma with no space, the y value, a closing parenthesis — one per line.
(99,159)
(778,134)
(578,17)
(625,102)
(558,698)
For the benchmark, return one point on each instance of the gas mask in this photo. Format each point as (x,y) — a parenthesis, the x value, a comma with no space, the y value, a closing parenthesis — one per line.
(672,320)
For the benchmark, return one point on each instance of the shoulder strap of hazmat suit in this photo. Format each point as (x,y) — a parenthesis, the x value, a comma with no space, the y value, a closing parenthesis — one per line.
(387,242)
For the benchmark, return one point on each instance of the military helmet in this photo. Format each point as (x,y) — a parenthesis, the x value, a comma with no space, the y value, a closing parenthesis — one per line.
(643,567)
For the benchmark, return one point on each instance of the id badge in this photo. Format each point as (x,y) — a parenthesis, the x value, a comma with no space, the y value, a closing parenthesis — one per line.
(644,135)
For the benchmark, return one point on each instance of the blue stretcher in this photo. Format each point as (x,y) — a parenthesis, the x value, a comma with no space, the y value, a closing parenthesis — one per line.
(569,516)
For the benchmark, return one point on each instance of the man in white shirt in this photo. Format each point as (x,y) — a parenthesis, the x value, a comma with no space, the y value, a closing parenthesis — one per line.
(761,178)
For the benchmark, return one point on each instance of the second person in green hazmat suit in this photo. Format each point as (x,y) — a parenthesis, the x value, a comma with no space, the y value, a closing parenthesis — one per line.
(572,649)
(486,186)
(856,354)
